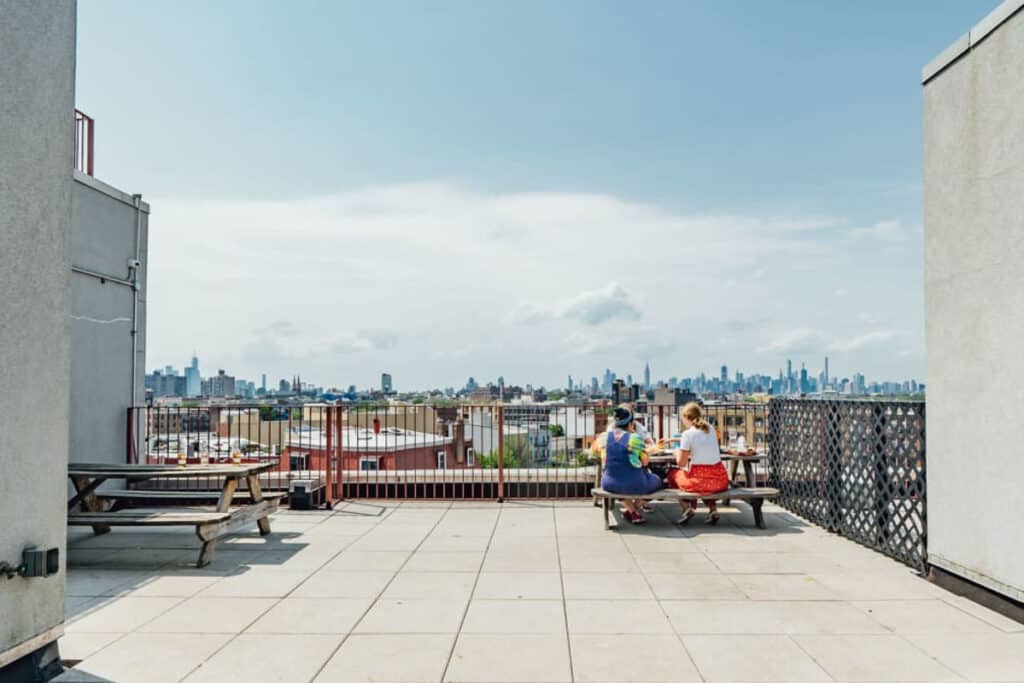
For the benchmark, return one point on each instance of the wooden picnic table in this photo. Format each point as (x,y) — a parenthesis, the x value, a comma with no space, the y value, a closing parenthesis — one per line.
(732,461)
(210,525)
(667,457)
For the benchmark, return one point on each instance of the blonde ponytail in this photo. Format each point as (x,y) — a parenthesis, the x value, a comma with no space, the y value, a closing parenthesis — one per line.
(693,413)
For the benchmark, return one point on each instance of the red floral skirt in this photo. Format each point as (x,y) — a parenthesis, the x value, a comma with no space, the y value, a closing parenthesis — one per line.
(703,479)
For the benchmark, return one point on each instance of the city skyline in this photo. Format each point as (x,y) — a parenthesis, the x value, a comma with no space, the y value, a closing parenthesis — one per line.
(799,380)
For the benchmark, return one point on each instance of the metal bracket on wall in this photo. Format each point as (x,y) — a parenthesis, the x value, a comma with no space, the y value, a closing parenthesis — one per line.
(9,571)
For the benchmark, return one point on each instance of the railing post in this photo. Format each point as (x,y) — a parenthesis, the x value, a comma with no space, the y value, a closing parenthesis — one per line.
(501,453)
(328,451)
(834,488)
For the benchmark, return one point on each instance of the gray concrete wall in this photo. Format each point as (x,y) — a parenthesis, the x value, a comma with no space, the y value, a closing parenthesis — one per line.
(37,67)
(103,233)
(974,301)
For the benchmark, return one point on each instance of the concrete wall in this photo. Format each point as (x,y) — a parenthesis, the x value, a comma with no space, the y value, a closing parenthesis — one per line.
(974,290)
(103,229)
(37,66)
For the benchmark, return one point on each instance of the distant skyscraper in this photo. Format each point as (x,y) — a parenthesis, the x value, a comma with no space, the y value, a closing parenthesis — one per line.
(804,386)
(647,376)
(385,382)
(725,373)
(264,384)
(193,381)
(570,383)
(629,380)
(826,370)
(284,387)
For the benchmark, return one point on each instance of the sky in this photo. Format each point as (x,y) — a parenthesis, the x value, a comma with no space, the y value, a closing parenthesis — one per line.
(528,189)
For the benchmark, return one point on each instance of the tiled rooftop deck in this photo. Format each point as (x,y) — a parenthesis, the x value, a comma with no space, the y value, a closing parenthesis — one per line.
(519,592)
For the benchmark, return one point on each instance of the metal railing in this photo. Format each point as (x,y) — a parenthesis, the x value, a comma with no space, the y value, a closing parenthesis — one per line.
(855,467)
(385,451)
(85,138)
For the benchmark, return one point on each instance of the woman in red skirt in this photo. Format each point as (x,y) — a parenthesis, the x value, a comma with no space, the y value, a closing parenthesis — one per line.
(700,465)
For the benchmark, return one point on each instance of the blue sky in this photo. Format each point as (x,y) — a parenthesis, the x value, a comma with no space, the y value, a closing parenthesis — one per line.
(603,182)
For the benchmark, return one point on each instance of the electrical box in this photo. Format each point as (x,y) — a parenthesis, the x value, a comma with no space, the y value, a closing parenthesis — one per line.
(38,562)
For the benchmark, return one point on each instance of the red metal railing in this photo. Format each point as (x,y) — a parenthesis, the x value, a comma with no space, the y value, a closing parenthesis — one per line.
(85,138)
(456,451)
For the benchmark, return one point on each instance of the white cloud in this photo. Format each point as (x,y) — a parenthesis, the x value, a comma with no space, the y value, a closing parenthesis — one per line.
(592,307)
(366,340)
(802,340)
(841,292)
(864,341)
(883,231)
(437,281)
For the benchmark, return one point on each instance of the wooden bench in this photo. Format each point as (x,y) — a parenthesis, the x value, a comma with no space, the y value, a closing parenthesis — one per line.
(116,495)
(210,525)
(755,497)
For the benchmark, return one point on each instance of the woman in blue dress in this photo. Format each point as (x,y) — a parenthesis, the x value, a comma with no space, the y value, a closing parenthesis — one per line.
(625,461)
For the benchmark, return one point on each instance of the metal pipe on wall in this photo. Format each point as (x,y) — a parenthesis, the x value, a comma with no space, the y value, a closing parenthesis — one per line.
(134,276)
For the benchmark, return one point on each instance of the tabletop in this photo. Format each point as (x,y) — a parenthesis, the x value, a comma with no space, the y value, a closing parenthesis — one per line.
(124,471)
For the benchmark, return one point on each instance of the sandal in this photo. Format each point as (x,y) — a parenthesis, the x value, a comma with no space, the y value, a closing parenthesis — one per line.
(646,507)
(713,518)
(633,517)
(688,514)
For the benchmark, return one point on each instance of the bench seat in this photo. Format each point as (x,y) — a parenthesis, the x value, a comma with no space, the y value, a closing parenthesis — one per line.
(177,495)
(754,496)
(146,518)
(209,524)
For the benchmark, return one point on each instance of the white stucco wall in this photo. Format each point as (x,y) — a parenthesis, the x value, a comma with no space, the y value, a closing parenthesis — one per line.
(103,231)
(37,60)
(974,301)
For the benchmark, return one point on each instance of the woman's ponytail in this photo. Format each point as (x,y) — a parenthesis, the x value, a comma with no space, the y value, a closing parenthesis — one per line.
(693,413)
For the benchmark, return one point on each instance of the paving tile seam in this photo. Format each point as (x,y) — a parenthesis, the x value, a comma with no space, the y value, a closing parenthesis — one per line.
(565,606)
(472,592)
(661,608)
(278,600)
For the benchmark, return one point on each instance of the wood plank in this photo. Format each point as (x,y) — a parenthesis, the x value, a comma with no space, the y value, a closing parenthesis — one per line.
(165,471)
(675,494)
(146,518)
(253,482)
(170,494)
(84,488)
(238,518)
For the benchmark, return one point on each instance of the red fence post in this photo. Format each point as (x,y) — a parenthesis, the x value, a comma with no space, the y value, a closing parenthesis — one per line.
(329,451)
(501,454)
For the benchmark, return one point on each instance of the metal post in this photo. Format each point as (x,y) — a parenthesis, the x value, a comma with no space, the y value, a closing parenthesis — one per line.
(501,454)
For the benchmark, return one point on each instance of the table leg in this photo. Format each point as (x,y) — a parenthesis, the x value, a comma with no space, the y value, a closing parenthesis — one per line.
(223,505)
(256,495)
(748,472)
(84,488)
(597,484)
(607,506)
(733,466)
(755,504)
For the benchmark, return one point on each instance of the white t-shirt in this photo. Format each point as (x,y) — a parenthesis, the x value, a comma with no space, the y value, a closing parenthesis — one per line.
(703,446)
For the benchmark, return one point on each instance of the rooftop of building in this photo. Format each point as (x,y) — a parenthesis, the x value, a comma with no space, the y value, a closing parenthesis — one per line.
(521,591)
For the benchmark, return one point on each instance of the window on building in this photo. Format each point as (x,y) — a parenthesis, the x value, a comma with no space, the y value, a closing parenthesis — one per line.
(368,464)
(441,460)
(470,457)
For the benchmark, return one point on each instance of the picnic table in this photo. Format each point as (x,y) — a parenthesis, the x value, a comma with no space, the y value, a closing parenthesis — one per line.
(731,459)
(210,525)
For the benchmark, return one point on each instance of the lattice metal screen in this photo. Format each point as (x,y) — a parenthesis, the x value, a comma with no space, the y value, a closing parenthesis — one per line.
(854,467)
